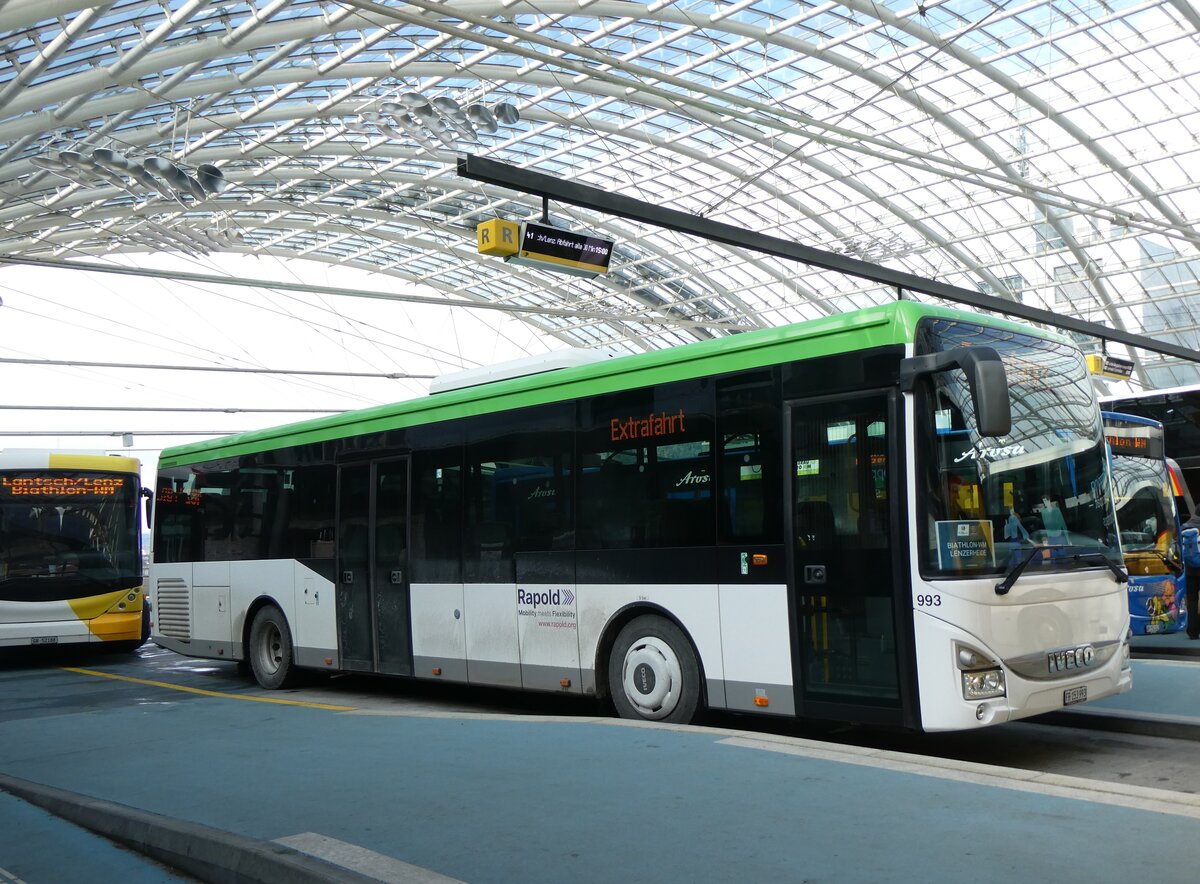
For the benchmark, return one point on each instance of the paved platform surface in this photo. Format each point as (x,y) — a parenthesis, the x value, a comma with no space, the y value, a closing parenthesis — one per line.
(348,796)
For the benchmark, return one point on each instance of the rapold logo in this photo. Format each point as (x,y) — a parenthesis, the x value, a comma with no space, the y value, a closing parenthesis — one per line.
(545,598)
(553,608)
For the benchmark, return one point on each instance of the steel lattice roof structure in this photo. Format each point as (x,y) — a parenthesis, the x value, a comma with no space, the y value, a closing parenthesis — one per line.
(1044,151)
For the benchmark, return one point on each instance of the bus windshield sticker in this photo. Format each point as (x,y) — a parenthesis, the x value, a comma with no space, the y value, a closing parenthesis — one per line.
(965,545)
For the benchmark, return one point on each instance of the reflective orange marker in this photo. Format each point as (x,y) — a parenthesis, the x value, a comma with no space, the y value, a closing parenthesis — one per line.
(758,559)
(437,670)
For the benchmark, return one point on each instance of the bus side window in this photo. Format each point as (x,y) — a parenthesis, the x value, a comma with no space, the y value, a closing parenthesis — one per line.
(519,490)
(436,531)
(749,487)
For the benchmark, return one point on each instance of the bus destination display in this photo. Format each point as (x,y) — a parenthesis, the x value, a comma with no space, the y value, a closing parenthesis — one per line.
(54,487)
(1134,446)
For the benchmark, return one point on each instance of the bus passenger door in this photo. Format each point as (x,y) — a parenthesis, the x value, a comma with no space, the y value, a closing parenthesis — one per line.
(842,482)
(374,634)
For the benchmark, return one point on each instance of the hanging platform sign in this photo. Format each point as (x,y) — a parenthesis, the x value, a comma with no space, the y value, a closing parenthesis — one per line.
(498,237)
(539,245)
(562,250)
(1109,366)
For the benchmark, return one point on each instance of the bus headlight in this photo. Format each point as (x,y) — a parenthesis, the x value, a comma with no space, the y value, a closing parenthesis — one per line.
(982,676)
(982,685)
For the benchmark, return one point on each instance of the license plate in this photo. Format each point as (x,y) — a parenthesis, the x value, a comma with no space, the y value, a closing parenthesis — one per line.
(1075,695)
(44,640)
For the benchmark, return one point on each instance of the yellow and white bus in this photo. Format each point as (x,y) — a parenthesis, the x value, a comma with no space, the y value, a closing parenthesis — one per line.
(70,549)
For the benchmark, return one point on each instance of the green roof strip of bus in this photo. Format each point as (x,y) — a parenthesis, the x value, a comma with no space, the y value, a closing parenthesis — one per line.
(893,323)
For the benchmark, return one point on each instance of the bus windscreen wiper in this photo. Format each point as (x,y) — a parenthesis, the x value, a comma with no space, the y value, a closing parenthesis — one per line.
(1006,584)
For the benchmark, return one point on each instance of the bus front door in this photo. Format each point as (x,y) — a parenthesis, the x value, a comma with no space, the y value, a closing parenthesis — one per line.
(374,634)
(843,576)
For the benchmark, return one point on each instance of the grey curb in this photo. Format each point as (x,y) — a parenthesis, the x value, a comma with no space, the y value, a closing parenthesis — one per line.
(1146,724)
(209,854)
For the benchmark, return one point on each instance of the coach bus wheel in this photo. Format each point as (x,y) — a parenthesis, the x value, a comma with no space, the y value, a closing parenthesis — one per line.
(271,649)
(652,673)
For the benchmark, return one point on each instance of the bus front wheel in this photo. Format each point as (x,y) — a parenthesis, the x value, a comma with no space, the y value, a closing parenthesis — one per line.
(271,649)
(653,674)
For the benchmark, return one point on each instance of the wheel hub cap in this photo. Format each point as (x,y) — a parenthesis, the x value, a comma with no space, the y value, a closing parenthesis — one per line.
(652,678)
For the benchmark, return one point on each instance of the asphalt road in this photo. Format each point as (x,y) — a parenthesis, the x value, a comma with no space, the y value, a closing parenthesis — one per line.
(37,683)
(158,732)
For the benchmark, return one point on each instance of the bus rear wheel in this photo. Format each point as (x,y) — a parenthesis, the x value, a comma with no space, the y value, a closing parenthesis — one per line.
(270,650)
(653,674)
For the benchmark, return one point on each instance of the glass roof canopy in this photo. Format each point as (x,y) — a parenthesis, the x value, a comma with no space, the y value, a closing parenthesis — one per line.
(1040,151)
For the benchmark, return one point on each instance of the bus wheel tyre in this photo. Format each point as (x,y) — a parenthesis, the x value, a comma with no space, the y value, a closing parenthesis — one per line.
(653,674)
(271,649)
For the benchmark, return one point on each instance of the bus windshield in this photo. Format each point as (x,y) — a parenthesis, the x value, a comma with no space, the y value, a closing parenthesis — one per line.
(1142,487)
(68,533)
(988,502)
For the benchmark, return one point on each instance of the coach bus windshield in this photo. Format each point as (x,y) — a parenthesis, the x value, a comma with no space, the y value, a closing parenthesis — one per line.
(1145,500)
(989,502)
(62,532)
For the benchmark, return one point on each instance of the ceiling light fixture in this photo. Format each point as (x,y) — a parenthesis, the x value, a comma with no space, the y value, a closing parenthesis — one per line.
(430,121)
(153,175)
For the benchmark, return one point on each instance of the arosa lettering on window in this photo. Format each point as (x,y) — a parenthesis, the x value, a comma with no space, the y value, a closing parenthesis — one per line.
(648,427)
(985,452)
(690,479)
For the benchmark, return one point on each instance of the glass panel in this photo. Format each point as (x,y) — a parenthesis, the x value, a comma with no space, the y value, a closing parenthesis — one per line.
(842,551)
(986,502)
(749,458)
(353,583)
(68,533)
(437,517)
(390,583)
(646,470)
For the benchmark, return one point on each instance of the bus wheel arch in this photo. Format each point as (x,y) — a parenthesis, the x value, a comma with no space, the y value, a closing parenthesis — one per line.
(649,667)
(269,649)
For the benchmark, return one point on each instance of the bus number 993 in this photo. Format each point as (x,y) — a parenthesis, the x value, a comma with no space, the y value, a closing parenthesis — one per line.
(929,601)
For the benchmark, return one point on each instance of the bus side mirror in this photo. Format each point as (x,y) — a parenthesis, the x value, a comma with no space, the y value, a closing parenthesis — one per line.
(985,377)
(149,495)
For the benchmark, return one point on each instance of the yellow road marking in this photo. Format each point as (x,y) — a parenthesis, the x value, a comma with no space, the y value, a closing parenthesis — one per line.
(203,692)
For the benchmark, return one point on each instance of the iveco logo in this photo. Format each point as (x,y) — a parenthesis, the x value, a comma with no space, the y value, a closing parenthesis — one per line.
(1074,658)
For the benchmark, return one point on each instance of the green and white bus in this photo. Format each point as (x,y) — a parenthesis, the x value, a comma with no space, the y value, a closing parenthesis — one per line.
(810,521)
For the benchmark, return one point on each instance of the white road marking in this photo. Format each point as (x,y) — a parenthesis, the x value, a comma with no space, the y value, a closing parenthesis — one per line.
(365,862)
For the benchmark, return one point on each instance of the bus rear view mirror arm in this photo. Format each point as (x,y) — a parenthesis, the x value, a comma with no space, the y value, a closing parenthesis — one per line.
(985,376)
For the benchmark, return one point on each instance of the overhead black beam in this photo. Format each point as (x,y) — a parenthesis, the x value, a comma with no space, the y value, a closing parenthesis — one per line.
(584,196)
